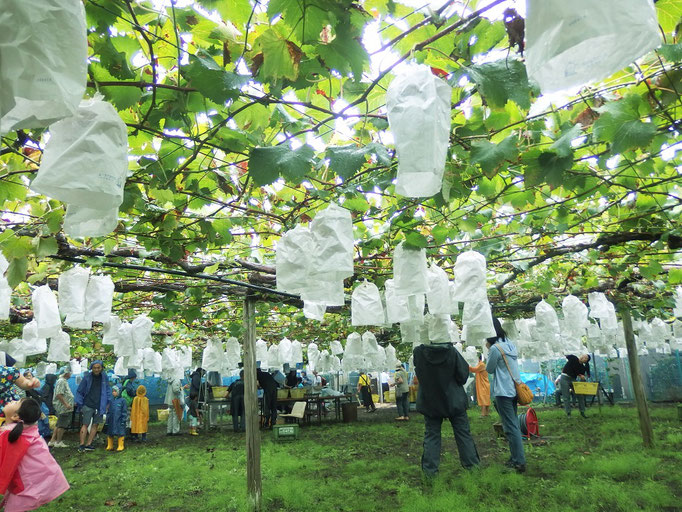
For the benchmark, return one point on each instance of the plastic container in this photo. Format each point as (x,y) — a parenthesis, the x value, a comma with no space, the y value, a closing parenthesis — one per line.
(162,414)
(219,391)
(282,393)
(585,388)
(297,393)
(389,396)
(349,412)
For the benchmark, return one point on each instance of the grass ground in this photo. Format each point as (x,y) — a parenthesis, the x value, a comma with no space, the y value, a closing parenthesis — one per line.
(594,464)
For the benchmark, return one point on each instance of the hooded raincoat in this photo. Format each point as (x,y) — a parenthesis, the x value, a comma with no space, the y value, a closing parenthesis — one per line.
(139,414)
(117,417)
(40,475)
(442,371)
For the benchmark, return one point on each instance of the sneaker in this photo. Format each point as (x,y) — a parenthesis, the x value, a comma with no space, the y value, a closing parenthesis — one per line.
(61,444)
(81,448)
(89,448)
(51,444)
(583,415)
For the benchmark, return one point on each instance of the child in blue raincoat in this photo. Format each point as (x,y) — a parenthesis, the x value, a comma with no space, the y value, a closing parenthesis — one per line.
(117,419)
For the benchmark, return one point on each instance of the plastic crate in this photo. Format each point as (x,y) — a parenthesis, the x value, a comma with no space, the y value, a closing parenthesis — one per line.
(286,431)
(219,391)
(162,414)
(585,388)
(282,393)
(297,392)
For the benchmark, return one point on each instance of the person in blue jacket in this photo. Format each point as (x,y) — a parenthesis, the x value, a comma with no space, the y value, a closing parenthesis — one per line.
(504,391)
(129,389)
(92,398)
(117,419)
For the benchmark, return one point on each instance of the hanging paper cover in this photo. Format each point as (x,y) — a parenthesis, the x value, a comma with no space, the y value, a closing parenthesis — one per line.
(478,316)
(262,352)
(212,357)
(454,332)
(660,331)
(5,298)
(99,296)
(4,264)
(120,367)
(314,310)
(33,344)
(369,345)
(677,311)
(152,361)
(169,361)
(110,332)
(353,345)
(76,367)
(85,162)
(336,347)
(332,230)
(60,348)
(285,354)
(124,340)
(599,305)
(418,109)
(72,285)
(293,260)
(570,44)
(470,354)
(136,360)
(43,62)
(40,370)
(273,357)
(575,315)
(46,312)
(142,332)
(325,293)
(470,278)
(366,306)
(391,359)
(438,295)
(415,306)
(185,356)
(546,321)
(438,328)
(84,222)
(410,272)
(296,352)
(313,356)
(397,309)
(233,352)
(409,333)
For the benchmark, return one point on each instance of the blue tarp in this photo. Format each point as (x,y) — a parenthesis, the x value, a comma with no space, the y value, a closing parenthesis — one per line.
(539,384)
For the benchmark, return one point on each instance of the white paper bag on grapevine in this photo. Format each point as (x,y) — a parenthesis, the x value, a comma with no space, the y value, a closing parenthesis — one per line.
(272,360)
(546,320)
(233,352)
(409,333)
(410,272)
(323,292)
(296,352)
(60,348)
(185,356)
(575,315)
(72,285)
(262,352)
(76,367)
(369,345)
(313,310)
(454,332)
(46,312)
(85,162)
(677,311)
(84,222)
(336,347)
(660,330)
(470,278)
(438,328)
(285,354)
(43,62)
(110,331)
(438,294)
(391,358)
(332,230)
(470,355)
(120,367)
(169,361)
(152,361)
(293,260)
(4,264)
(142,332)
(5,298)
(212,357)
(313,356)
(40,370)
(136,361)
(570,44)
(353,345)
(99,297)
(124,340)
(599,305)
(415,306)
(397,309)
(418,109)
(51,369)
(477,316)
(366,306)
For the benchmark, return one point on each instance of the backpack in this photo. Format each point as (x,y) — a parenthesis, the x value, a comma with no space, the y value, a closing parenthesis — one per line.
(124,393)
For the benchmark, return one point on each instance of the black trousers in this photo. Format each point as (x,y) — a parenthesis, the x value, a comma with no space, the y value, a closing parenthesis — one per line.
(468,455)
(270,407)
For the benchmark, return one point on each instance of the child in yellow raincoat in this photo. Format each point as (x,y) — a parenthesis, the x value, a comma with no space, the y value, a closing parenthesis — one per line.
(139,414)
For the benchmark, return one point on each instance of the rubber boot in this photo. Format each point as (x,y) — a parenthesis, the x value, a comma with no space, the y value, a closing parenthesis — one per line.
(193,431)
(121,447)
(110,443)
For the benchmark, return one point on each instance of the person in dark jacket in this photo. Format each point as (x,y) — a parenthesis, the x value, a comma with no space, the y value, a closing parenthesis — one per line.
(575,369)
(196,390)
(236,390)
(47,392)
(129,387)
(92,397)
(442,373)
(269,386)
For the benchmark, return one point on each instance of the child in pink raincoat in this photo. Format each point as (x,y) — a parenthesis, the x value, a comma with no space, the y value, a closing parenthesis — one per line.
(29,475)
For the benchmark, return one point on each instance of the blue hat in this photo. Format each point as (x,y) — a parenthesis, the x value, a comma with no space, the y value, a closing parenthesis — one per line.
(63,370)
(96,361)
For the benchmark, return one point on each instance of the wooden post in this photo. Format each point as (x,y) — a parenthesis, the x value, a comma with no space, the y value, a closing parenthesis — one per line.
(253,476)
(637,384)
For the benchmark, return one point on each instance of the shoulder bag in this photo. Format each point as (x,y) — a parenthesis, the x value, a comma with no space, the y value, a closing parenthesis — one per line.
(523,393)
